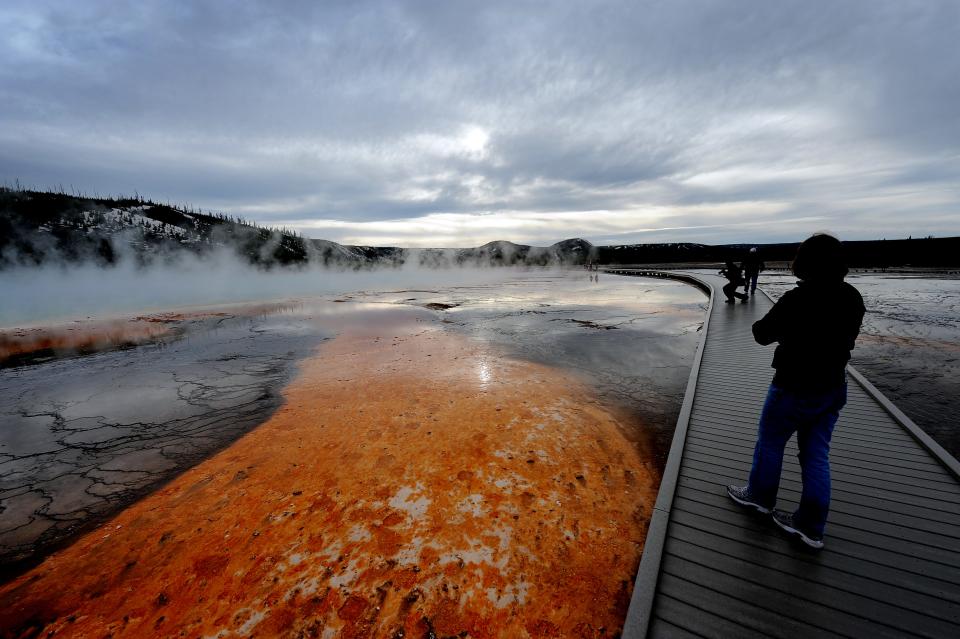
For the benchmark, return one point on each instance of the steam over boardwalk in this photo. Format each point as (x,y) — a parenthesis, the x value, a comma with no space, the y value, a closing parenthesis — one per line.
(891,567)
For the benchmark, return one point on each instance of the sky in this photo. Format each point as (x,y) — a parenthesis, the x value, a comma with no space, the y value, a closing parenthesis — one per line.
(455,123)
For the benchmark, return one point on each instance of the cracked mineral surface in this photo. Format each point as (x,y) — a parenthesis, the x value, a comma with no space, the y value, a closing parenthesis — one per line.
(451,462)
(83,436)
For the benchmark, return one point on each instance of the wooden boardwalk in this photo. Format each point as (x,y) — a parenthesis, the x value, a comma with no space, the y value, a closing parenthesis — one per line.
(891,566)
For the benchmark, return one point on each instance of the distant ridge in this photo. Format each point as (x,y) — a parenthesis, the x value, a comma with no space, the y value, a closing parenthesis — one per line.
(43,227)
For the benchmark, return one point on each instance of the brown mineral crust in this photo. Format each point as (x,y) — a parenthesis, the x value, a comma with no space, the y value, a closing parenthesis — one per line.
(414,485)
(94,335)
(81,338)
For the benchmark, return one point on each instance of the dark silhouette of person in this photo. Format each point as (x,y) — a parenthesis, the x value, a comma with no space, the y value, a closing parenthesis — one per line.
(815,326)
(734,279)
(751,270)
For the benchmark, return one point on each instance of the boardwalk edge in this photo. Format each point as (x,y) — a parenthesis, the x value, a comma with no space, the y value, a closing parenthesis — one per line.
(945,458)
(637,622)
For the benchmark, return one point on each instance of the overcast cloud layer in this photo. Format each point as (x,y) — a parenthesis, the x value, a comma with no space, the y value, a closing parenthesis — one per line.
(454,123)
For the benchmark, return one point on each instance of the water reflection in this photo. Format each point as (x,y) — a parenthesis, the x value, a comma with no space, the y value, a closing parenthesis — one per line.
(633,339)
(483,373)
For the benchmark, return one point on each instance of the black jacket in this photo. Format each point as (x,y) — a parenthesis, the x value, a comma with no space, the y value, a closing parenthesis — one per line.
(752,264)
(816,325)
(733,274)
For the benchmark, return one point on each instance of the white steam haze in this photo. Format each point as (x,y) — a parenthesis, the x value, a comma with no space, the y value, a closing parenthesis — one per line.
(409,123)
(59,292)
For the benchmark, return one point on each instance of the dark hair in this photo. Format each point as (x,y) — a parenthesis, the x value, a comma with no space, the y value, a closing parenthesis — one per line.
(820,259)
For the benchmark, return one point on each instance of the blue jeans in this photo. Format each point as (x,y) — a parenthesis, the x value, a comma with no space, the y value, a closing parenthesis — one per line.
(750,283)
(812,416)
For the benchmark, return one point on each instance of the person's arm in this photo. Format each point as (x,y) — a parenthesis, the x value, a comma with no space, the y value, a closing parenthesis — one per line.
(856,322)
(770,327)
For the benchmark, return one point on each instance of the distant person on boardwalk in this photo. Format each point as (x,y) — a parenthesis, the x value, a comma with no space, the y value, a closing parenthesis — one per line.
(815,326)
(734,279)
(751,271)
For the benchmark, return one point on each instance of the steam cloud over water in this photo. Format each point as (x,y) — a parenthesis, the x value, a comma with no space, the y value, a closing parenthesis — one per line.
(35,295)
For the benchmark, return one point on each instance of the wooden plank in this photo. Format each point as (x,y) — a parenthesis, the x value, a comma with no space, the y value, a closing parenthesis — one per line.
(918,506)
(745,402)
(753,616)
(842,451)
(894,535)
(913,467)
(911,515)
(904,494)
(906,555)
(871,616)
(758,531)
(844,436)
(878,424)
(881,452)
(662,628)
(855,508)
(862,577)
(754,535)
(681,614)
(850,463)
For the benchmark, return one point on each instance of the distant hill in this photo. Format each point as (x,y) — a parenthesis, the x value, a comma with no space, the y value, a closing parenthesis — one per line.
(43,227)
(40,227)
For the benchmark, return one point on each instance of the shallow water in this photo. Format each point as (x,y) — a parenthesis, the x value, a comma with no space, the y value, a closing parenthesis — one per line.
(84,436)
(909,346)
(633,339)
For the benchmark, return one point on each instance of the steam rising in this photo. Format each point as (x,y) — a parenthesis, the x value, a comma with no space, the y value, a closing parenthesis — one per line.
(61,291)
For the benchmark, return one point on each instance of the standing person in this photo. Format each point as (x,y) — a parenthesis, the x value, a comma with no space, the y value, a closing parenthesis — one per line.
(734,279)
(815,325)
(751,271)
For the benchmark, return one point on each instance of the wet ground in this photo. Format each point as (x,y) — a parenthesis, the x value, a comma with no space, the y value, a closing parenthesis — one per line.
(632,340)
(475,460)
(909,346)
(85,435)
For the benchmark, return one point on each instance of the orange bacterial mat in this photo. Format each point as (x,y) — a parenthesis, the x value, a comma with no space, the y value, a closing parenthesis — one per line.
(417,485)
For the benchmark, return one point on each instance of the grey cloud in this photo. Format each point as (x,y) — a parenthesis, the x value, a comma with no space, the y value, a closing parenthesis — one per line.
(303,111)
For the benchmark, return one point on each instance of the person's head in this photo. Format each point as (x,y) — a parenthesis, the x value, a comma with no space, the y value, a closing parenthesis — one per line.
(820,259)
(753,249)
(730,264)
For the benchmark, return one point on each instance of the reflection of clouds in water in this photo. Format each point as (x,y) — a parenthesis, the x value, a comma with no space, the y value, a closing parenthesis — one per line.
(632,338)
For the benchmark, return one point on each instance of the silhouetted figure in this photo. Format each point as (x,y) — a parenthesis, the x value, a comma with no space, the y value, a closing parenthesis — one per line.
(815,326)
(734,279)
(751,271)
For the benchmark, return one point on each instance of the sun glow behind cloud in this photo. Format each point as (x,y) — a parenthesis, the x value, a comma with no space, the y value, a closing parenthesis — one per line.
(392,123)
